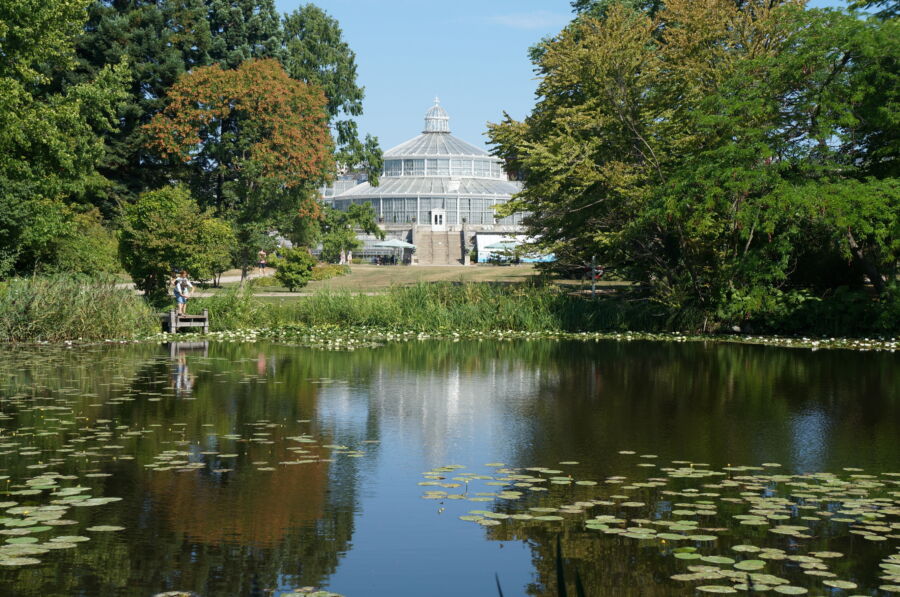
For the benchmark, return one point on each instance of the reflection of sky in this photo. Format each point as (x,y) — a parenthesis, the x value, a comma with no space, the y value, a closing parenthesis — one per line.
(810,429)
(452,415)
(425,420)
(343,411)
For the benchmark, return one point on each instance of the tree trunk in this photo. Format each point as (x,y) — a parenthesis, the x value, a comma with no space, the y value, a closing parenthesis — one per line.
(871,271)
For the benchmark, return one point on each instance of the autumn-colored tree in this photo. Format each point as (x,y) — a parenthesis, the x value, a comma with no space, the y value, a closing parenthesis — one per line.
(256,140)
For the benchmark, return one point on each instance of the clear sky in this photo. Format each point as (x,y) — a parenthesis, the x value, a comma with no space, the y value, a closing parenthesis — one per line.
(473,54)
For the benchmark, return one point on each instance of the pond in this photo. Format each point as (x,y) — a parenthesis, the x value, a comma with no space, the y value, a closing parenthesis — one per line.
(449,468)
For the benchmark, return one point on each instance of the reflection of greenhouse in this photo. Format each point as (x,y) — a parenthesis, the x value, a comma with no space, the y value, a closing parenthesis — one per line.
(438,181)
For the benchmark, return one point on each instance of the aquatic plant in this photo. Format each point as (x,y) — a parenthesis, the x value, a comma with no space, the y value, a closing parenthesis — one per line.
(60,308)
(737,529)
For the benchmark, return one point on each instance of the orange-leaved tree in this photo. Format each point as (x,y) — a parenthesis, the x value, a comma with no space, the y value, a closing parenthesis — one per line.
(255,144)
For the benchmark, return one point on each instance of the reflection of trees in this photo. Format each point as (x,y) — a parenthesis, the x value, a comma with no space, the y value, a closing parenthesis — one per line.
(718,403)
(226,534)
(730,403)
(606,567)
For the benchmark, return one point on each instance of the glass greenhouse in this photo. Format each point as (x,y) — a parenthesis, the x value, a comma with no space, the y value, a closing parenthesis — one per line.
(436,179)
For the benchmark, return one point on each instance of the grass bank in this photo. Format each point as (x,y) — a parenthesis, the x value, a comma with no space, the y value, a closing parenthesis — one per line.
(61,308)
(64,308)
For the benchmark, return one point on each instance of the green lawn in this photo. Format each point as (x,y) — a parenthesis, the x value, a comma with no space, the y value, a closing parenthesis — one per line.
(373,278)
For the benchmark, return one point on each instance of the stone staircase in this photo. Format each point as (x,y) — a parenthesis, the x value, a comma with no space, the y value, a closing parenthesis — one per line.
(438,248)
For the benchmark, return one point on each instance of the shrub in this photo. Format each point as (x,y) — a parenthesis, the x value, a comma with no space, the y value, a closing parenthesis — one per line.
(326,271)
(88,248)
(294,268)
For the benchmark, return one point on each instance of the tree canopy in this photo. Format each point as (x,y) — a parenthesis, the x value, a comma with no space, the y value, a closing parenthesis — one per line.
(710,150)
(256,140)
(50,142)
(163,39)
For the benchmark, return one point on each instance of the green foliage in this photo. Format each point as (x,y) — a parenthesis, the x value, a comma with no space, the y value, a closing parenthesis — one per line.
(49,141)
(160,40)
(438,308)
(315,52)
(216,242)
(166,230)
(887,9)
(709,165)
(233,309)
(294,268)
(339,229)
(58,308)
(88,247)
(163,39)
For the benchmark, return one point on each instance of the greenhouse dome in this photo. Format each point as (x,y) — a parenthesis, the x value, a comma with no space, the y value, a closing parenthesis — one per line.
(438,181)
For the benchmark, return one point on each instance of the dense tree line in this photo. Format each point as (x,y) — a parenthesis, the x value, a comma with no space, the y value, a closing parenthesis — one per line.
(103,101)
(734,158)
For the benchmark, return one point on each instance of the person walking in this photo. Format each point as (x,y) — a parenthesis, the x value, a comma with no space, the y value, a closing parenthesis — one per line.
(182,289)
(261,261)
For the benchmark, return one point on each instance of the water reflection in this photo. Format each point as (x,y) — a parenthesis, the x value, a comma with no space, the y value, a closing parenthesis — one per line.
(216,501)
(182,379)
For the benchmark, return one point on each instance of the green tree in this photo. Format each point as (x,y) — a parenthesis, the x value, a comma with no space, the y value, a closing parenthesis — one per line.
(163,39)
(165,230)
(668,144)
(49,147)
(160,40)
(887,9)
(216,242)
(87,247)
(315,52)
(339,229)
(294,268)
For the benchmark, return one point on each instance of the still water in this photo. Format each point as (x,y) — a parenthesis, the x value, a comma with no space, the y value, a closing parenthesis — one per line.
(260,469)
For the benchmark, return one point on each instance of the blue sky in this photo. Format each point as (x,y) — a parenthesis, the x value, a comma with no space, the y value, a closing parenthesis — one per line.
(473,54)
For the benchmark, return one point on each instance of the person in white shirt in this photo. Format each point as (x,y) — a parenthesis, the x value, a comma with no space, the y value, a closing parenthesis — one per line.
(183,288)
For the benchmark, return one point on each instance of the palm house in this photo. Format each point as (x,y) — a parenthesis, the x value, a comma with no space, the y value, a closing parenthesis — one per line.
(437,181)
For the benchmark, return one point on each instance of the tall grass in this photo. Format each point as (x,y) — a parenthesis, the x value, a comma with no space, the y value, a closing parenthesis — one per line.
(436,307)
(65,307)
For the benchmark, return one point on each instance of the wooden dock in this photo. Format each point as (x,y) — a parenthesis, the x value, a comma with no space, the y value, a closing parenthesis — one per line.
(172,322)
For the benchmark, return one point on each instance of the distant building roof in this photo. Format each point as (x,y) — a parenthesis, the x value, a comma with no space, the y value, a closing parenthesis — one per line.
(432,185)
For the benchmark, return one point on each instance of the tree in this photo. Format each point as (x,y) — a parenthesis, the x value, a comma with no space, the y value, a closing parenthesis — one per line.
(165,230)
(216,243)
(49,147)
(160,40)
(339,229)
(315,52)
(294,268)
(163,39)
(668,145)
(86,247)
(256,140)
(887,9)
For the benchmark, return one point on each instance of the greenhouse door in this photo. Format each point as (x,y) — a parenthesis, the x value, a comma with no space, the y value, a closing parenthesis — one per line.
(438,220)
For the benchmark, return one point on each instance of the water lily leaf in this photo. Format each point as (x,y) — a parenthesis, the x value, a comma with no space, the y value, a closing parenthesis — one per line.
(748,565)
(790,590)
(18,561)
(716,589)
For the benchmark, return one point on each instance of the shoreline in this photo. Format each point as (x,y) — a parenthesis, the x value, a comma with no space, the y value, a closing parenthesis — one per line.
(338,338)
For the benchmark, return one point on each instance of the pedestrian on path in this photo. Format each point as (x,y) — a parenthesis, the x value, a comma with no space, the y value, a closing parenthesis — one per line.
(261,261)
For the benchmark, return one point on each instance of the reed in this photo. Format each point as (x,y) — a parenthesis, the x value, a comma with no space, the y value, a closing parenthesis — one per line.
(70,307)
(436,307)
